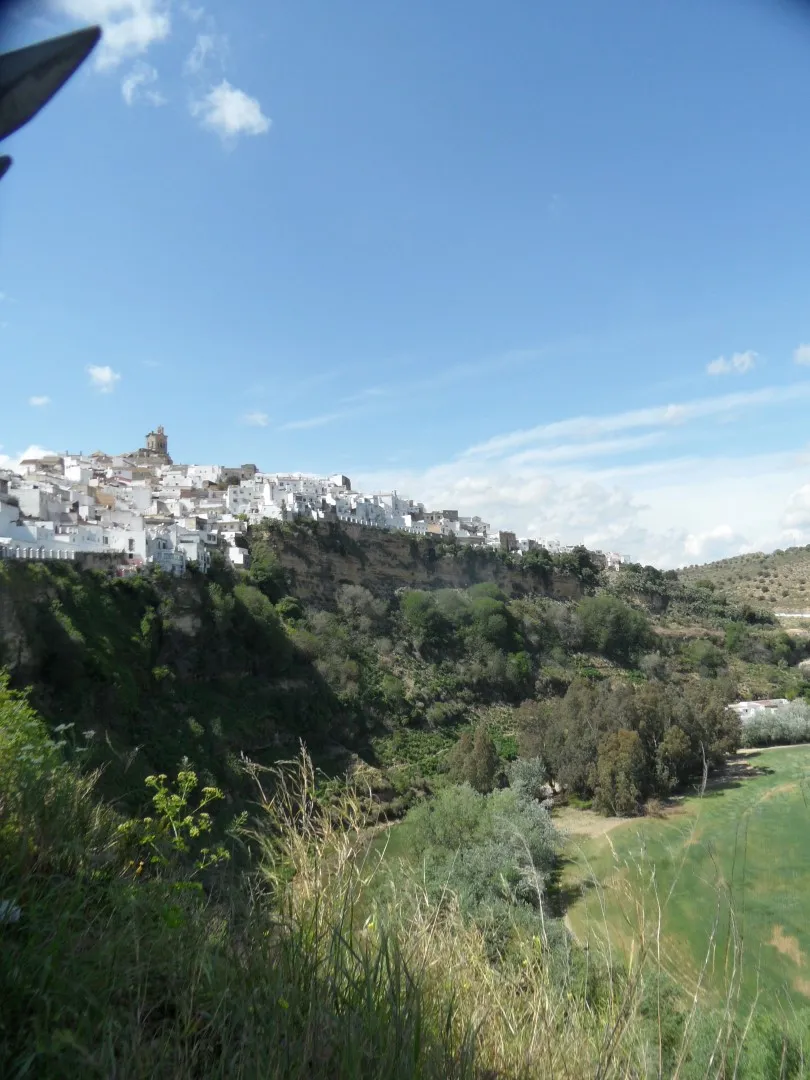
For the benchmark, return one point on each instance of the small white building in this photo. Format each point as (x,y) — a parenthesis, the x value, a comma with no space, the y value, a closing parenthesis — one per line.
(746,709)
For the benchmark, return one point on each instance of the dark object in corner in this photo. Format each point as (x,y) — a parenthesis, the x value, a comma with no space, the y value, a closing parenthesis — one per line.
(30,77)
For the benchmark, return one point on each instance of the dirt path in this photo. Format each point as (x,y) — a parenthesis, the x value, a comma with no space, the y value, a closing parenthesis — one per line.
(585,822)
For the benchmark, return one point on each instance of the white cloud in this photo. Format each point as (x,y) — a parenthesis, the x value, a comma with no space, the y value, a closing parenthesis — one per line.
(656,417)
(12,461)
(130,27)
(586,450)
(669,510)
(200,54)
(103,378)
(256,419)
(801,355)
(797,511)
(39,400)
(737,364)
(230,112)
(139,85)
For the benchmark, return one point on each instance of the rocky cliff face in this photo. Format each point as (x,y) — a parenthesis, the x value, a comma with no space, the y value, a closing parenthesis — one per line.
(319,558)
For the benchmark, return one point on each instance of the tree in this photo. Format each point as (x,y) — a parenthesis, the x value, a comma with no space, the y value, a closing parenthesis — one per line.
(539,564)
(580,564)
(613,628)
(704,657)
(621,775)
(673,758)
(423,620)
(474,760)
(266,572)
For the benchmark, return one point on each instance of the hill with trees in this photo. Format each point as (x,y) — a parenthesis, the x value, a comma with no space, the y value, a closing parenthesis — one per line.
(186,891)
(779,581)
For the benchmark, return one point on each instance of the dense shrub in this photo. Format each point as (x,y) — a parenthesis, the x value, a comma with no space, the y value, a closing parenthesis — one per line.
(782,726)
(613,628)
(489,849)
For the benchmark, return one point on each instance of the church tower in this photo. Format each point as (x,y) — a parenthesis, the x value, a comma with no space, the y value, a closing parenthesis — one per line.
(157,442)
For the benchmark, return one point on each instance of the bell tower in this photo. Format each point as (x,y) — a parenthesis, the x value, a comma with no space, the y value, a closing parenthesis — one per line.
(157,442)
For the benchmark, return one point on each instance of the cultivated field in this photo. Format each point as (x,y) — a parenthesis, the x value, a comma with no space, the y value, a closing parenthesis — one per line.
(730,874)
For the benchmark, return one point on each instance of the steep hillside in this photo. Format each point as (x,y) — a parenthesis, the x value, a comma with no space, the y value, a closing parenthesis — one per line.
(318,558)
(327,640)
(778,582)
(309,644)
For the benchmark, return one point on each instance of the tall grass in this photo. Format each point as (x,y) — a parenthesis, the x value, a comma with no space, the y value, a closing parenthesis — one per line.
(120,968)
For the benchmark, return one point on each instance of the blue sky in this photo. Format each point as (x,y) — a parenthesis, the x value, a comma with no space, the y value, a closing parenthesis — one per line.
(543,262)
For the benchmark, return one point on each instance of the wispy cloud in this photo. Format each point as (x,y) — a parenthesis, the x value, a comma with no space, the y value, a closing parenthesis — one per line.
(131,27)
(230,112)
(585,451)
(151,363)
(801,355)
(39,400)
(139,85)
(658,416)
(103,379)
(736,364)
(194,14)
(453,375)
(316,421)
(207,48)
(256,419)
(370,394)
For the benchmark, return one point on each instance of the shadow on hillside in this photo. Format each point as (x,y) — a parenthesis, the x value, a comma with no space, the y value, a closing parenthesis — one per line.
(561,895)
(734,775)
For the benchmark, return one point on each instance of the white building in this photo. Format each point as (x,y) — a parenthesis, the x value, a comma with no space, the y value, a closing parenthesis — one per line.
(746,709)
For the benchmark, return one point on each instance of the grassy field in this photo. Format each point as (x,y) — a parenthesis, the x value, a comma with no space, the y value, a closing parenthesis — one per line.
(779,581)
(729,872)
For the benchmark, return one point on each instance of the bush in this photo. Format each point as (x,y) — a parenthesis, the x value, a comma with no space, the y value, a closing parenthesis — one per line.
(654,666)
(704,657)
(777,727)
(488,848)
(529,777)
(613,628)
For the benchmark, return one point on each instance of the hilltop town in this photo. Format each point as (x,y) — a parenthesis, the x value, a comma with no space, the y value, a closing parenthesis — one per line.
(140,508)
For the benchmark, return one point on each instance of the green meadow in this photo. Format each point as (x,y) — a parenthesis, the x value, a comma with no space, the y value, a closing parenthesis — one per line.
(718,888)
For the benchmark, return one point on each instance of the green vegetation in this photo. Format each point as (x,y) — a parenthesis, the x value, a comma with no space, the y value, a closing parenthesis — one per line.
(620,745)
(779,581)
(131,948)
(208,669)
(730,872)
(174,902)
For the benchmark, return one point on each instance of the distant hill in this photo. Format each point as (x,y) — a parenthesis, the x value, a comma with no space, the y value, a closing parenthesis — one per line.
(779,581)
